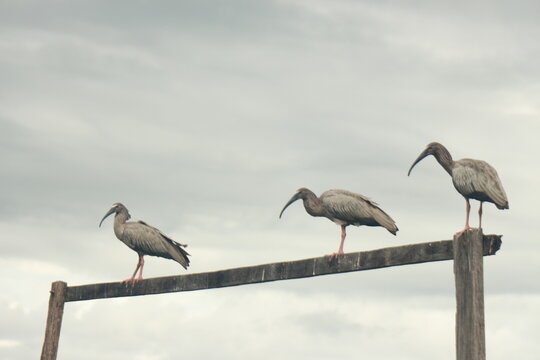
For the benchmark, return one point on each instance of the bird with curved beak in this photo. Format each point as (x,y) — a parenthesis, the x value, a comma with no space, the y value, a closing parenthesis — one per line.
(343,208)
(473,179)
(144,239)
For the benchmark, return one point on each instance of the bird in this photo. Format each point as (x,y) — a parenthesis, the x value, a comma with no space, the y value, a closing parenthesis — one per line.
(344,208)
(474,179)
(145,240)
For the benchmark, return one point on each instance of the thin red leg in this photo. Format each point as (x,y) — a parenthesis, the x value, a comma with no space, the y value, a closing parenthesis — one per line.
(340,251)
(467,227)
(140,265)
(141,261)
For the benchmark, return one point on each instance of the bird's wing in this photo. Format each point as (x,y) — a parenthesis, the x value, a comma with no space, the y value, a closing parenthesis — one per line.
(163,235)
(345,195)
(352,208)
(479,180)
(148,240)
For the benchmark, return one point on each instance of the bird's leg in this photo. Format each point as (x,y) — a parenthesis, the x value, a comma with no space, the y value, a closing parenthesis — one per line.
(343,235)
(480,215)
(133,276)
(141,261)
(467,227)
(139,265)
(340,251)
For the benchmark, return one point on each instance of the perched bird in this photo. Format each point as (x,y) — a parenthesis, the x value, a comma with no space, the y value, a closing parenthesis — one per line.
(145,240)
(474,179)
(344,208)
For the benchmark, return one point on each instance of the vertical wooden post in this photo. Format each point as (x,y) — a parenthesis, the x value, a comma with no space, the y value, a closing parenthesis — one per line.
(469,276)
(54,320)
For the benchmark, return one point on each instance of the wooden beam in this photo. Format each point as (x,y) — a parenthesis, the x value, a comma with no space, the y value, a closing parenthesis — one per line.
(54,321)
(365,260)
(469,276)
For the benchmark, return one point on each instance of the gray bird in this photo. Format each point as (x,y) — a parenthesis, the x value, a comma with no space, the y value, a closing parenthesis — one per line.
(474,179)
(145,240)
(344,208)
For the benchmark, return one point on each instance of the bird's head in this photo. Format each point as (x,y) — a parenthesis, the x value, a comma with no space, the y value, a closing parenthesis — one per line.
(431,149)
(301,193)
(115,209)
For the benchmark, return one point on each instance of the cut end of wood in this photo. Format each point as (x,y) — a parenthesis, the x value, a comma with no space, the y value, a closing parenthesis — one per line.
(491,243)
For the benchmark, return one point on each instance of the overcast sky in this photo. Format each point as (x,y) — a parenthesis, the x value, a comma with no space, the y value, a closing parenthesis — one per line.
(204,117)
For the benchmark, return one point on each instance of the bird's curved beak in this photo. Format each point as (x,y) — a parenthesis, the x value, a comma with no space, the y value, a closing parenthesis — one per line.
(293,199)
(420,157)
(111,211)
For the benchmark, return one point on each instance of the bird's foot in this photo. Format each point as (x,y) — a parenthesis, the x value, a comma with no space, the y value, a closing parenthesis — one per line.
(132,280)
(335,255)
(459,233)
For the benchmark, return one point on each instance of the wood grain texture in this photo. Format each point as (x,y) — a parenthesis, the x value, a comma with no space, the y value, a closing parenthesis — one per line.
(365,260)
(469,276)
(54,320)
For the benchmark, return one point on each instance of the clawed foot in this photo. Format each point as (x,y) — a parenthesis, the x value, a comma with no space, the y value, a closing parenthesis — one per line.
(458,234)
(132,281)
(335,255)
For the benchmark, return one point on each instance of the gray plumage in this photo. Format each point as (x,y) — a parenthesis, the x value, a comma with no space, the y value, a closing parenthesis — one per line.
(145,239)
(344,208)
(474,179)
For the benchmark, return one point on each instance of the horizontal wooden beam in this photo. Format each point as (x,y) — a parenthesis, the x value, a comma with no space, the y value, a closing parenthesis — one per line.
(364,260)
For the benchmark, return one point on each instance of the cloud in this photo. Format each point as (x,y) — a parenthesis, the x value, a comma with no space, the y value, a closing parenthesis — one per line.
(205,117)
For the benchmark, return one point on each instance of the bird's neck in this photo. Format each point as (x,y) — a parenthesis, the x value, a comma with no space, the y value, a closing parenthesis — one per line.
(313,205)
(119,220)
(444,158)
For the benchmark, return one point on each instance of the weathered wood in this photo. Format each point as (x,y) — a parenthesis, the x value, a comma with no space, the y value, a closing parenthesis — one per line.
(365,260)
(469,276)
(54,320)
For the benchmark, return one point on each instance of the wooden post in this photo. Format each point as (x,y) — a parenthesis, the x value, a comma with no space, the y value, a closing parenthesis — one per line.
(469,276)
(467,251)
(54,320)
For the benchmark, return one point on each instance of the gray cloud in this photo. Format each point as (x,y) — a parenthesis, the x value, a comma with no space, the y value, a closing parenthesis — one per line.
(205,117)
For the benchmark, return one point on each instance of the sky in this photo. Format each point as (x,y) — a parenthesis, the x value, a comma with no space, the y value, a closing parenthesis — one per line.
(204,117)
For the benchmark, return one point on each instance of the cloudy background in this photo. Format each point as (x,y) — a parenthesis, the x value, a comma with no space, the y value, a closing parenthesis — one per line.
(204,117)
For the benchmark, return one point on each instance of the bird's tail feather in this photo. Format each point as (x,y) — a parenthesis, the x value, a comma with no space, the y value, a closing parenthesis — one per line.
(502,203)
(179,254)
(386,221)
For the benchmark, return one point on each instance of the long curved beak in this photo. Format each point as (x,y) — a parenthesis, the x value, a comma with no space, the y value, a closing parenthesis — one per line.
(111,211)
(293,199)
(420,157)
